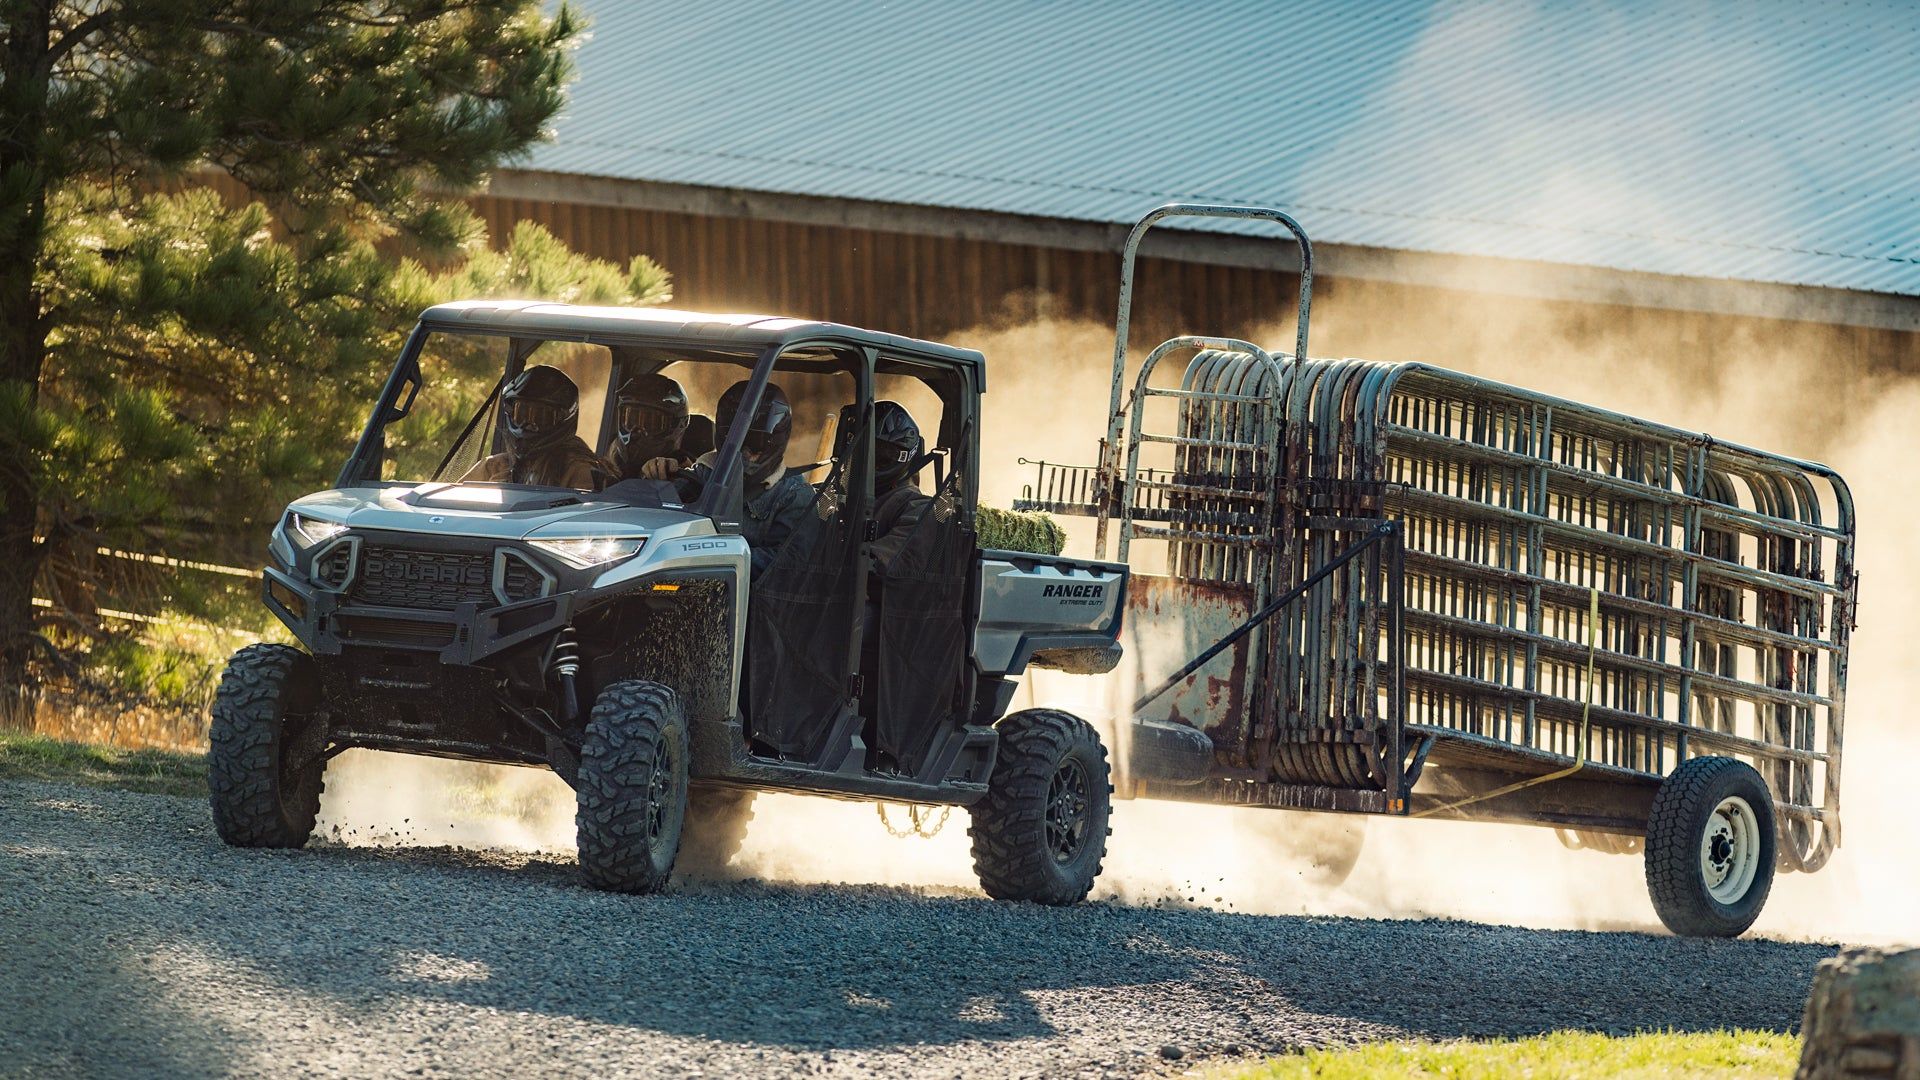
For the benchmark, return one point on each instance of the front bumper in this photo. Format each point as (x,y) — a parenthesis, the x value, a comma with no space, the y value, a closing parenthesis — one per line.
(326,622)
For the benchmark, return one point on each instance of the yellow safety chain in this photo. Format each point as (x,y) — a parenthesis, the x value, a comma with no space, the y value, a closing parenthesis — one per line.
(921,820)
(1586,708)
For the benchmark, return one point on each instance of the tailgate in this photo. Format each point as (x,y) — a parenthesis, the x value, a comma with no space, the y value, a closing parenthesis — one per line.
(1049,611)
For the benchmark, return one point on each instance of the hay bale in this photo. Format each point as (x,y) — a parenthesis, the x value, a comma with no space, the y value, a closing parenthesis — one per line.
(1016,530)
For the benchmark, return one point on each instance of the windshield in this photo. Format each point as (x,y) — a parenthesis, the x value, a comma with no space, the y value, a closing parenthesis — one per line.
(495,409)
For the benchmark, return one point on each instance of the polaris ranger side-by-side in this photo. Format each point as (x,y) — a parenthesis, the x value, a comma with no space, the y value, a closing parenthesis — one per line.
(627,638)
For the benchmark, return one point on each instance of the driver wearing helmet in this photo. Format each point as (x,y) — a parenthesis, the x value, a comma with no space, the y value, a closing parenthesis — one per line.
(539,411)
(651,420)
(775,500)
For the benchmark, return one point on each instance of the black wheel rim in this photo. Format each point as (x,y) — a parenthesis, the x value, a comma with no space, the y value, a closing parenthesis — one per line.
(1067,806)
(658,788)
(294,773)
(663,796)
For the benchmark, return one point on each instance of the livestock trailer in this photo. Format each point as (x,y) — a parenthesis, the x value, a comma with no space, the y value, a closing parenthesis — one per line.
(1397,589)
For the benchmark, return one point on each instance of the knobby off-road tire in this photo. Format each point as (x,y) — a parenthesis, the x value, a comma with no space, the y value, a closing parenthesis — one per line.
(632,797)
(717,819)
(264,714)
(1041,831)
(1711,848)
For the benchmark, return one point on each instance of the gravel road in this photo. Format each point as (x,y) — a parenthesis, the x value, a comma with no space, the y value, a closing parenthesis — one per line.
(133,943)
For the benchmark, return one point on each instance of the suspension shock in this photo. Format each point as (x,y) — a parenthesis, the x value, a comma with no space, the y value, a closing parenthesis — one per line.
(562,669)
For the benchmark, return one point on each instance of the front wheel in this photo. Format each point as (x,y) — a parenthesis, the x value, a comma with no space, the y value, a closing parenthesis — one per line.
(1710,848)
(266,749)
(1041,831)
(631,800)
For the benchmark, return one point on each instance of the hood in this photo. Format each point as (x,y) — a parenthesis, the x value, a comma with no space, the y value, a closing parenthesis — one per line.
(494,512)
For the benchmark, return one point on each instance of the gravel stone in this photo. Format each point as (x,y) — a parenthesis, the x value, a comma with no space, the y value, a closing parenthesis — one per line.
(133,942)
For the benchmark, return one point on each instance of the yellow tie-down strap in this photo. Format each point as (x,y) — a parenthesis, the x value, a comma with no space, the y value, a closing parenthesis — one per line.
(1580,752)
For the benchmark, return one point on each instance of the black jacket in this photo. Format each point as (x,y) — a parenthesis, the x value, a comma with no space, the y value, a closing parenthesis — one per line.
(896,513)
(773,511)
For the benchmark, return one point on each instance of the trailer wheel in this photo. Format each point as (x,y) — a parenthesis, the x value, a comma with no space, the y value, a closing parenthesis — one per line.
(632,797)
(717,819)
(1710,848)
(1041,831)
(264,769)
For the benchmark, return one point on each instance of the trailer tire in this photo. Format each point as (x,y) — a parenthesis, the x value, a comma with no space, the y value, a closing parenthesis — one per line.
(631,802)
(264,775)
(717,819)
(1041,831)
(1710,848)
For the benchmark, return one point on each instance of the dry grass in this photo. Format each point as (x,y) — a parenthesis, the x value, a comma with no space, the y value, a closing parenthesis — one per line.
(155,772)
(1559,1055)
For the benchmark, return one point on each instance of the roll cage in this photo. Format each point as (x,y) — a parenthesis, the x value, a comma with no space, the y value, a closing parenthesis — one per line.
(760,344)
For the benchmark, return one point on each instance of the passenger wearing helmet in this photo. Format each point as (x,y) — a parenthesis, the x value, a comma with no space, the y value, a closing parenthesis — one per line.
(898,508)
(775,500)
(898,504)
(539,411)
(651,420)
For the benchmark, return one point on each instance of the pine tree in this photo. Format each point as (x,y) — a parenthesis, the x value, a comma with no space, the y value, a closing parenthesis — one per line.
(157,340)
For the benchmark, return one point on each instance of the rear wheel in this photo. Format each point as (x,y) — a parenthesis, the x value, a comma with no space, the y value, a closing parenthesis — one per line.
(632,797)
(266,749)
(1711,848)
(1041,831)
(717,819)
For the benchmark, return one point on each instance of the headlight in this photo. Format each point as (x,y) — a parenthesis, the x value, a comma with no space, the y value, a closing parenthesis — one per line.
(592,550)
(308,531)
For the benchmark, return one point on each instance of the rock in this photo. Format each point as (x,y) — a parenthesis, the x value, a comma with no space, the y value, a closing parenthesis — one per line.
(1172,1052)
(1863,1017)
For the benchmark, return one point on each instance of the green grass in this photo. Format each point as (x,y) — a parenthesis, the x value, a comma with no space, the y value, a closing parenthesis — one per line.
(155,772)
(1560,1055)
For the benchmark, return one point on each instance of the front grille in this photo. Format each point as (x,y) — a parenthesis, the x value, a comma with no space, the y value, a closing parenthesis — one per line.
(436,580)
(394,631)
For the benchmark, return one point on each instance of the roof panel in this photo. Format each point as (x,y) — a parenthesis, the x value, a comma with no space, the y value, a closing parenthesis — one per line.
(1766,140)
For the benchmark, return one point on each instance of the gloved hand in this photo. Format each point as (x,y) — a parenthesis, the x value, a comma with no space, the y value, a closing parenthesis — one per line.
(660,468)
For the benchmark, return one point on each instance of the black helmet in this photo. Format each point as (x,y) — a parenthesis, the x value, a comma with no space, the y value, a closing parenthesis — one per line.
(650,417)
(765,448)
(896,444)
(539,408)
(698,439)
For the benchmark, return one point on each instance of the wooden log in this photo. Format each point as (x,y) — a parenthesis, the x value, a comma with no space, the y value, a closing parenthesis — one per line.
(1863,1017)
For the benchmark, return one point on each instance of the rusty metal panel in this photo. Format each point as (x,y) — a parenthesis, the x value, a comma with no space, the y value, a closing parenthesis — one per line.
(1169,621)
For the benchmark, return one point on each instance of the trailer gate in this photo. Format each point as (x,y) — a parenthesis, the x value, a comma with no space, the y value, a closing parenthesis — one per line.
(1399,563)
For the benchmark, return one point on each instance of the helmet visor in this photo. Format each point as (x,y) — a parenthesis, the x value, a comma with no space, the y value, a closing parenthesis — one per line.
(533,417)
(757,444)
(647,421)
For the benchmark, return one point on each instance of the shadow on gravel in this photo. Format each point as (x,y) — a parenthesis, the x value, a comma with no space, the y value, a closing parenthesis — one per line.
(858,967)
(96,1010)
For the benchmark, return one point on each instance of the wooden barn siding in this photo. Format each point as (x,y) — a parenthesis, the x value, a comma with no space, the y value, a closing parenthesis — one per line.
(933,287)
(924,286)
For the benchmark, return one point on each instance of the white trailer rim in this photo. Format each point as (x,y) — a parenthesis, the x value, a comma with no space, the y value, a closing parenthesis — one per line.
(1730,850)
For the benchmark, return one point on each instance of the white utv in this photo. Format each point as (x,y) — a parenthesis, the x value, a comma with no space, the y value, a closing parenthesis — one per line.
(622,638)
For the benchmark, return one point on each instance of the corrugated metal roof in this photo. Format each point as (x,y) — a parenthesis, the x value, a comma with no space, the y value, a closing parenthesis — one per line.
(1761,141)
